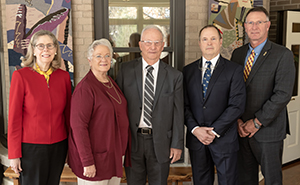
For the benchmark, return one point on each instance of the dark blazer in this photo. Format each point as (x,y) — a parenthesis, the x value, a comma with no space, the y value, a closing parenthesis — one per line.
(167,115)
(223,105)
(269,89)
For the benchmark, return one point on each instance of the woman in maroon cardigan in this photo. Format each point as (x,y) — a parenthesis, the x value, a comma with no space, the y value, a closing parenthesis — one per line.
(99,135)
(39,111)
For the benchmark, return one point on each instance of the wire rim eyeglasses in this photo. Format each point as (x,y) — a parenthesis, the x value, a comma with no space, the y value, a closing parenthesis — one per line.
(42,46)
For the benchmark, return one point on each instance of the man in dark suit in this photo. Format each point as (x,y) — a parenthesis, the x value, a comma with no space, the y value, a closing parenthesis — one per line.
(214,98)
(154,92)
(269,84)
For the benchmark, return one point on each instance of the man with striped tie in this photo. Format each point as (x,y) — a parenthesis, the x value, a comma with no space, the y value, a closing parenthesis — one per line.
(214,98)
(154,92)
(269,75)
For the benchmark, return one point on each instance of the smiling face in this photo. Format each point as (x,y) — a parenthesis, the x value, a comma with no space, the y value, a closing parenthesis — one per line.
(257,33)
(150,50)
(210,43)
(45,56)
(100,60)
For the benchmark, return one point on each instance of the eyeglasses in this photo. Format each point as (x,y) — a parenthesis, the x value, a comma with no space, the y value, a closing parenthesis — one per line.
(149,42)
(257,23)
(42,46)
(99,57)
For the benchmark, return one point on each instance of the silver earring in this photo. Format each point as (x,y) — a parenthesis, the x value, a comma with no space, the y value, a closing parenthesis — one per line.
(55,53)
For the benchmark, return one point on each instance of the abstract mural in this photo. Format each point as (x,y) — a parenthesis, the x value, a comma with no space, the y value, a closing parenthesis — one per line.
(25,17)
(228,16)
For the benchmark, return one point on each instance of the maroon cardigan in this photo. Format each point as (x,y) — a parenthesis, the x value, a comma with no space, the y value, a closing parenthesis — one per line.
(38,113)
(99,133)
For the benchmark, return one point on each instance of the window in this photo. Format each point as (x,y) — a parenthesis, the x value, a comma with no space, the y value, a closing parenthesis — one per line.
(121,21)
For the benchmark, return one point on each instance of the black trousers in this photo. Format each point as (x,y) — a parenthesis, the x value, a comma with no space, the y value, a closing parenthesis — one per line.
(144,165)
(266,154)
(203,162)
(42,164)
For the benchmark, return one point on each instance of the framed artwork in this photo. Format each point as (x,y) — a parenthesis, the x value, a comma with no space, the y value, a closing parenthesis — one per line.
(25,17)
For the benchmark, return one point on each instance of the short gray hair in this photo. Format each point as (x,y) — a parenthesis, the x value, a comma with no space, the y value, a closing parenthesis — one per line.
(152,27)
(100,42)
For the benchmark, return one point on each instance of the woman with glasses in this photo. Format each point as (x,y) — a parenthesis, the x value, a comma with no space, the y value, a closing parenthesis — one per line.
(39,111)
(99,134)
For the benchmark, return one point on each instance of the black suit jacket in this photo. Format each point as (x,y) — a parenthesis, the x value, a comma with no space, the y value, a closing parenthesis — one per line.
(223,105)
(269,89)
(167,115)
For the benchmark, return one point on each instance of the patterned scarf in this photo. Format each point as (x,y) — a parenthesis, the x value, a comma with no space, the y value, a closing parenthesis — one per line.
(46,74)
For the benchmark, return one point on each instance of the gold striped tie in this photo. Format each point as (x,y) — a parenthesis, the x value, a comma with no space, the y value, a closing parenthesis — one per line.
(249,65)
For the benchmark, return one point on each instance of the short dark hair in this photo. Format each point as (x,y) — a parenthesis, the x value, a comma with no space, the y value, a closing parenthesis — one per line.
(210,26)
(258,9)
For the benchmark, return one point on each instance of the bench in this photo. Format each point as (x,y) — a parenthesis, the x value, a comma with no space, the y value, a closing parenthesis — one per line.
(178,175)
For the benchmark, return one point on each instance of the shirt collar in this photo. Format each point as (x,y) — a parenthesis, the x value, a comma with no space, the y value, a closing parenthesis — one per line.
(155,65)
(258,48)
(213,61)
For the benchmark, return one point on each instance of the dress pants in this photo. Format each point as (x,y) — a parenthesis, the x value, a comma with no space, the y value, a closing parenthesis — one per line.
(144,164)
(252,154)
(203,162)
(112,181)
(42,164)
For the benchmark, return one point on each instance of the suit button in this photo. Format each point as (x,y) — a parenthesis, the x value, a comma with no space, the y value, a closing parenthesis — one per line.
(204,107)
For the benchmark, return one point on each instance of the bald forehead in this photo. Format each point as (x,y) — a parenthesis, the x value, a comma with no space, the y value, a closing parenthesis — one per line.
(151,31)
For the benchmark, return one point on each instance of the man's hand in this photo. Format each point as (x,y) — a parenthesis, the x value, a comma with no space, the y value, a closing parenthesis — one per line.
(175,154)
(89,171)
(241,129)
(250,128)
(204,135)
(16,165)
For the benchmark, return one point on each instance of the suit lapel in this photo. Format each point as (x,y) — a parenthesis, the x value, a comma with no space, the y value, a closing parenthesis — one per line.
(243,55)
(139,76)
(162,73)
(259,61)
(198,79)
(216,73)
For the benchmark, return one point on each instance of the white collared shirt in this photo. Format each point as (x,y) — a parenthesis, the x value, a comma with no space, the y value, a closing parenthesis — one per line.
(213,64)
(155,74)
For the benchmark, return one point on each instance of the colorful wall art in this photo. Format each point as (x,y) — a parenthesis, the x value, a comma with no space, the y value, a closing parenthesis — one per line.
(228,16)
(25,17)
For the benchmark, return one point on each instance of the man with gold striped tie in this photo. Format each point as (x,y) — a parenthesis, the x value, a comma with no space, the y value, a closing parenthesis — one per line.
(269,74)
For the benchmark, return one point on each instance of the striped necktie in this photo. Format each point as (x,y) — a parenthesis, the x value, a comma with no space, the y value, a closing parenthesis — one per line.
(206,78)
(248,65)
(148,95)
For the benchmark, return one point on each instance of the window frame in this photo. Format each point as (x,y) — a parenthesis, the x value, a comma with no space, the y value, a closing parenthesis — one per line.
(177,30)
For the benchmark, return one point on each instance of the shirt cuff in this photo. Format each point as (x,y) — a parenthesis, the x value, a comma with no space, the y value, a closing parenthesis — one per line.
(216,134)
(194,129)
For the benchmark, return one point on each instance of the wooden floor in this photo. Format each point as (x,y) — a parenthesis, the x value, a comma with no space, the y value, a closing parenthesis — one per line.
(290,173)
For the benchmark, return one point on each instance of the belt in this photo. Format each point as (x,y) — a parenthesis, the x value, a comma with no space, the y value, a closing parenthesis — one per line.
(145,131)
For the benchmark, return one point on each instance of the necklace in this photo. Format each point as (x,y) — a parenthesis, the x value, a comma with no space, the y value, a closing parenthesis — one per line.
(111,85)
(119,101)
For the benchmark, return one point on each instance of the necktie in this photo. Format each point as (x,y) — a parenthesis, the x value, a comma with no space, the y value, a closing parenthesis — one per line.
(148,95)
(248,65)
(206,78)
